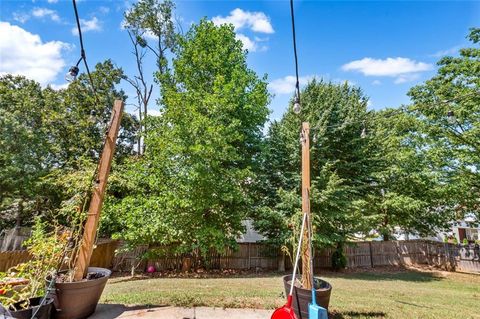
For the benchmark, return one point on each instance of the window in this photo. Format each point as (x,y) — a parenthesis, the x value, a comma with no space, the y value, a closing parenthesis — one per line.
(472,234)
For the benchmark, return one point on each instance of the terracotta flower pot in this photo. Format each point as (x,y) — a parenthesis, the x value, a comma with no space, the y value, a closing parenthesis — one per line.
(302,297)
(78,300)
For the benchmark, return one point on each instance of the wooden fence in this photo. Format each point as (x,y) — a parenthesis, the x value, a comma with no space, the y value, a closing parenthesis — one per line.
(359,254)
(102,256)
(260,256)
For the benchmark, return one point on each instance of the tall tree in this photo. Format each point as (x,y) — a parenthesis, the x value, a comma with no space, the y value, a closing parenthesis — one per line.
(196,174)
(406,194)
(341,165)
(50,137)
(448,105)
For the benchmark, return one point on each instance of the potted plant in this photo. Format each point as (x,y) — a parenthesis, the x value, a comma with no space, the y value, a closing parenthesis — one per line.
(23,293)
(301,296)
(75,299)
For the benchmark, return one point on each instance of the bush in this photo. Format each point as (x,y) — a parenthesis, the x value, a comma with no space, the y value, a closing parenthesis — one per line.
(339,261)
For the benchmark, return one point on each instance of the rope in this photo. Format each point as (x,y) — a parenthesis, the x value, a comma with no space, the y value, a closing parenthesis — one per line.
(297,83)
(83,56)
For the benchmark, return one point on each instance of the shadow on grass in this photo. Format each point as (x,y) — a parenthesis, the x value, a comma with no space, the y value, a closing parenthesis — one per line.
(378,274)
(373,274)
(356,314)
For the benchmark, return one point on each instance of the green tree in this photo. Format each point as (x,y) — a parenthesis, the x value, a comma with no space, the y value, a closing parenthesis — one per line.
(193,184)
(25,143)
(405,192)
(49,136)
(448,105)
(341,165)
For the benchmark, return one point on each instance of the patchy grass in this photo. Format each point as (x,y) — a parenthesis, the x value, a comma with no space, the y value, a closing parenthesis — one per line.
(380,294)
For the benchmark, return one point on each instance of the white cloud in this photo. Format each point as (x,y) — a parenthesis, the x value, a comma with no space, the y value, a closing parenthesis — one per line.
(248,43)
(389,67)
(286,85)
(46,13)
(154,113)
(376,82)
(104,10)
(59,86)
(404,69)
(88,25)
(450,51)
(52,1)
(255,21)
(24,53)
(21,17)
(407,78)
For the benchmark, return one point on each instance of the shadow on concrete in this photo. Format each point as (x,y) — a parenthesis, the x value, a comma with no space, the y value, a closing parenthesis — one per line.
(111,311)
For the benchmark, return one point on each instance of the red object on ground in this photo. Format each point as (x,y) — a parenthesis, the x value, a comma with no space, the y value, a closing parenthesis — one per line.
(2,291)
(151,269)
(286,312)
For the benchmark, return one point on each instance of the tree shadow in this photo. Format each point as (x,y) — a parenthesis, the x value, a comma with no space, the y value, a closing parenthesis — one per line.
(379,274)
(354,314)
(111,311)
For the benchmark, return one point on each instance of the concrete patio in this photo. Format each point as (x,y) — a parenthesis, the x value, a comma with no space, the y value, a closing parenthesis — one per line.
(111,311)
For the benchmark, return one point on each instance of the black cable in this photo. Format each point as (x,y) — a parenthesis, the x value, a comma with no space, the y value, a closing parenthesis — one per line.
(297,84)
(83,56)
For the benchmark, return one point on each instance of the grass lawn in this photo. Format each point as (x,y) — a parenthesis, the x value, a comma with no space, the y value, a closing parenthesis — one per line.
(381,294)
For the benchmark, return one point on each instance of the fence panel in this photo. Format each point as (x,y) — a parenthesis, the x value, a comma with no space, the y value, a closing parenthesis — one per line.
(102,256)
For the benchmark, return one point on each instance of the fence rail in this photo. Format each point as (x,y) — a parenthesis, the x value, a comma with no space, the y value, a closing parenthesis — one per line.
(258,255)
(102,256)
(359,254)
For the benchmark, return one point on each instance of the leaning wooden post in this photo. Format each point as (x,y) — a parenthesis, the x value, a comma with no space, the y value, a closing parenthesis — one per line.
(306,274)
(93,217)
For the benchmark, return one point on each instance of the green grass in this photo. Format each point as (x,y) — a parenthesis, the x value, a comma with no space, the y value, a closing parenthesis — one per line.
(380,294)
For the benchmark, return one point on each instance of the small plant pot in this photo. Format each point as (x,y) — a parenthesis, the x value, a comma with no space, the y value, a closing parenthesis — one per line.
(78,300)
(43,312)
(302,297)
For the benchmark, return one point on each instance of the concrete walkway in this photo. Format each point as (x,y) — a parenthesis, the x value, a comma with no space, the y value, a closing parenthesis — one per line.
(111,311)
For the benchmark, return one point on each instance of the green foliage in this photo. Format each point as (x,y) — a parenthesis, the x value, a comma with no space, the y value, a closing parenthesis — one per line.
(46,247)
(405,191)
(453,145)
(50,138)
(192,188)
(340,165)
(465,241)
(339,260)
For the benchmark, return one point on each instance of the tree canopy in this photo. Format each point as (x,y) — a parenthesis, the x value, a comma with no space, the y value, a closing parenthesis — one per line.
(194,181)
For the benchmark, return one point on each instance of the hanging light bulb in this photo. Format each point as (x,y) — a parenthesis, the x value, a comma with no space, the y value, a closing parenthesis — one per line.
(296,106)
(72,74)
(451,118)
(364,133)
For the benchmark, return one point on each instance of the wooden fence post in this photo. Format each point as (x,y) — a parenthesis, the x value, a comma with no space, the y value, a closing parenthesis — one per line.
(371,253)
(93,216)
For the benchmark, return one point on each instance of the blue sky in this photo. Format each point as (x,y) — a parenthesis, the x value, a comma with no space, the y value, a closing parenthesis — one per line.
(383,47)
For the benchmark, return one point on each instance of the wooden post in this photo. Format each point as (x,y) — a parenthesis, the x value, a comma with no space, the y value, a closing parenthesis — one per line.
(371,253)
(93,217)
(306,274)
